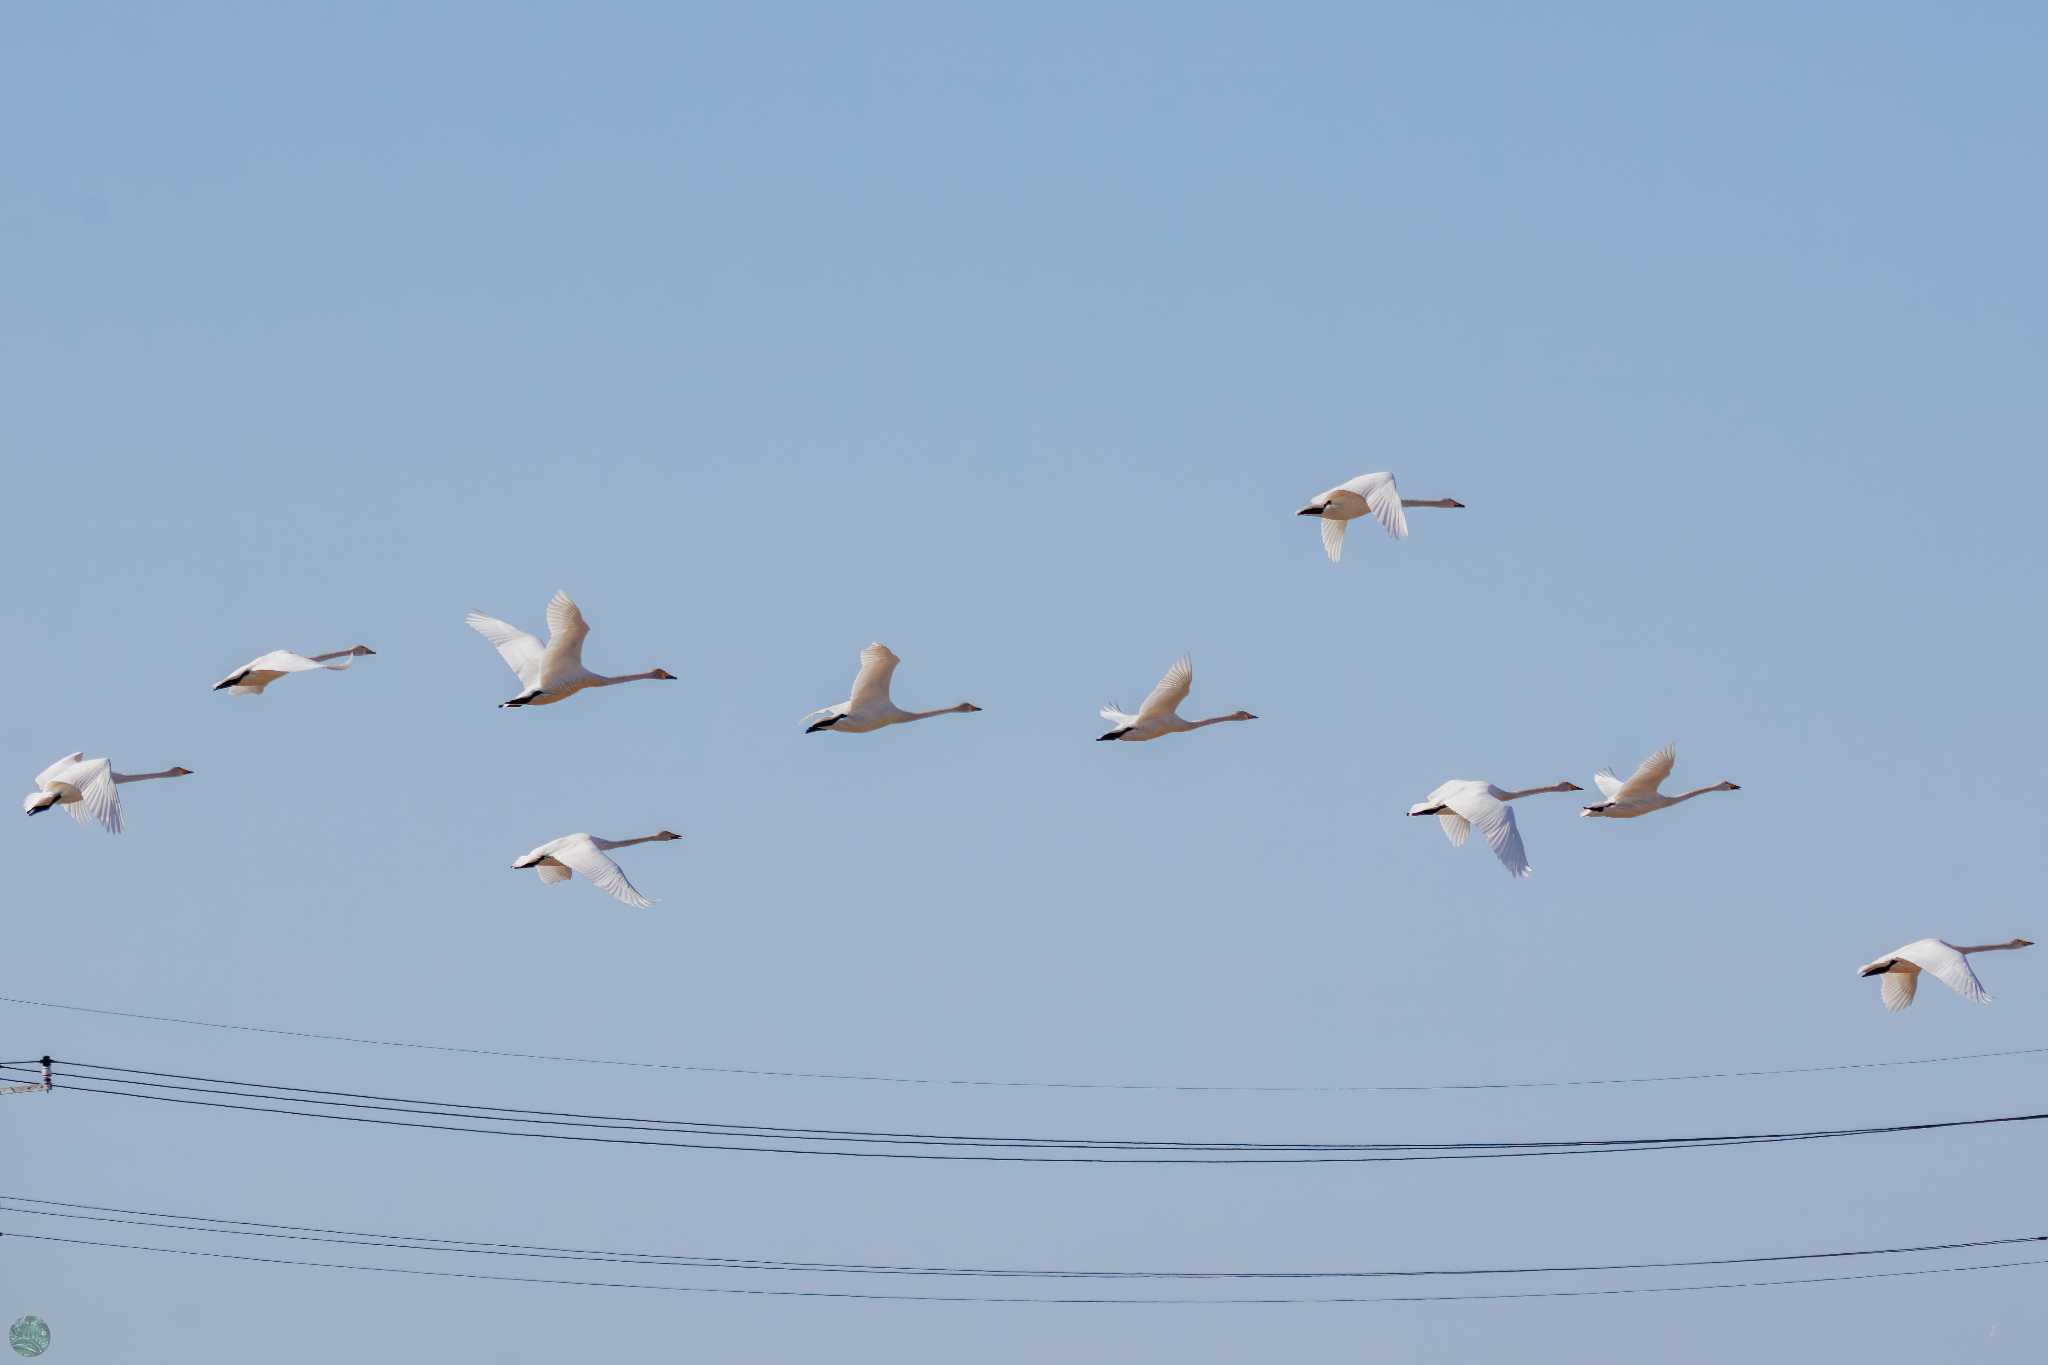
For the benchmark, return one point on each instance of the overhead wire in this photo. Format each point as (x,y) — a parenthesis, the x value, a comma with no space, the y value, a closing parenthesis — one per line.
(879,1078)
(242,1227)
(876,1296)
(553,1125)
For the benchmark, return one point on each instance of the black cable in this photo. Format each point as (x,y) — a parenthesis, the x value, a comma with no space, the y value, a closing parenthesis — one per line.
(177,1222)
(1026,1150)
(1045,1300)
(1752,1074)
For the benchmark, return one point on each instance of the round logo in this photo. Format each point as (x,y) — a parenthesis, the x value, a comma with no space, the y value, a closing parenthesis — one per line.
(30,1336)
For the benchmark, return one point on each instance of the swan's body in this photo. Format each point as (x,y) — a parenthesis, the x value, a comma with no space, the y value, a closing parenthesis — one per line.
(1160,713)
(1371,495)
(552,672)
(252,677)
(87,787)
(557,859)
(1950,965)
(869,708)
(1461,804)
(1639,795)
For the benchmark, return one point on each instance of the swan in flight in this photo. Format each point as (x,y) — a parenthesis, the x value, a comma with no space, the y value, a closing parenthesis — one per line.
(1950,965)
(1368,493)
(552,672)
(556,859)
(869,708)
(1639,795)
(252,677)
(1460,804)
(1159,715)
(87,786)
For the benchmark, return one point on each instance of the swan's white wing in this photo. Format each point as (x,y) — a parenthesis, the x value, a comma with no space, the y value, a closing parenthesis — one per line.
(871,685)
(1333,538)
(1949,967)
(1383,500)
(1645,780)
(1171,692)
(1496,824)
(98,799)
(55,772)
(566,629)
(284,661)
(519,650)
(591,861)
(551,875)
(1898,989)
(1607,782)
(260,673)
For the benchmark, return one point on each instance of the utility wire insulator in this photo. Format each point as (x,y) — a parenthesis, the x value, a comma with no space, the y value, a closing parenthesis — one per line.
(43,1085)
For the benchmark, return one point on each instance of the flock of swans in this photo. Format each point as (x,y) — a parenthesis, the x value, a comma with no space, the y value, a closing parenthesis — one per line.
(554,672)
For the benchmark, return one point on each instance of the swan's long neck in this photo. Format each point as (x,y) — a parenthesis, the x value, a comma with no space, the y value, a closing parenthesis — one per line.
(144,777)
(942,711)
(623,843)
(1431,502)
(337,654)
(1214,720)
(600,680)
(1696,791)
(1993,947)
(1537,791)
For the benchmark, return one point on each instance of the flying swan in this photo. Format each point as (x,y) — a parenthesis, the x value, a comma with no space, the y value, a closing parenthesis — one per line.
(1461,804)
(1951,966)
(869,708)
(1368,493)
(251,678)
(87,787)
(552,672)
(1159,715)
(1639,795)
(557,859)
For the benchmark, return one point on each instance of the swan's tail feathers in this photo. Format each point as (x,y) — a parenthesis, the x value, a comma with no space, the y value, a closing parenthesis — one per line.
(1117,716)
(1333,538)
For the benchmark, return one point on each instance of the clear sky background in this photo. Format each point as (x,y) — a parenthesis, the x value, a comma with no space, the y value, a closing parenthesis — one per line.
(1014,340)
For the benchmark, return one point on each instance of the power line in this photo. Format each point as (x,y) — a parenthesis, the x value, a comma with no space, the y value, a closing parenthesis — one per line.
(241,1227)
(507,1054)
(753,1292)
(501,1121)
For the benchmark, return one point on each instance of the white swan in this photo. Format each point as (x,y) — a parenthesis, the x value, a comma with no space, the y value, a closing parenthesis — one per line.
(1158,716)
(1368,493)
(1950,965)
(1639,795)
(87,786)
(869,708)
(252,677)
(552,672)
(556,859)
(1461,804)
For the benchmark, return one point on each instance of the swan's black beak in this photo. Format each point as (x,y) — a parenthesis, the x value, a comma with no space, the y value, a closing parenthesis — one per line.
(1732,787)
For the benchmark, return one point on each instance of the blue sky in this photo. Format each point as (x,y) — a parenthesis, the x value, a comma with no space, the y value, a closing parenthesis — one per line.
(1014,340)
